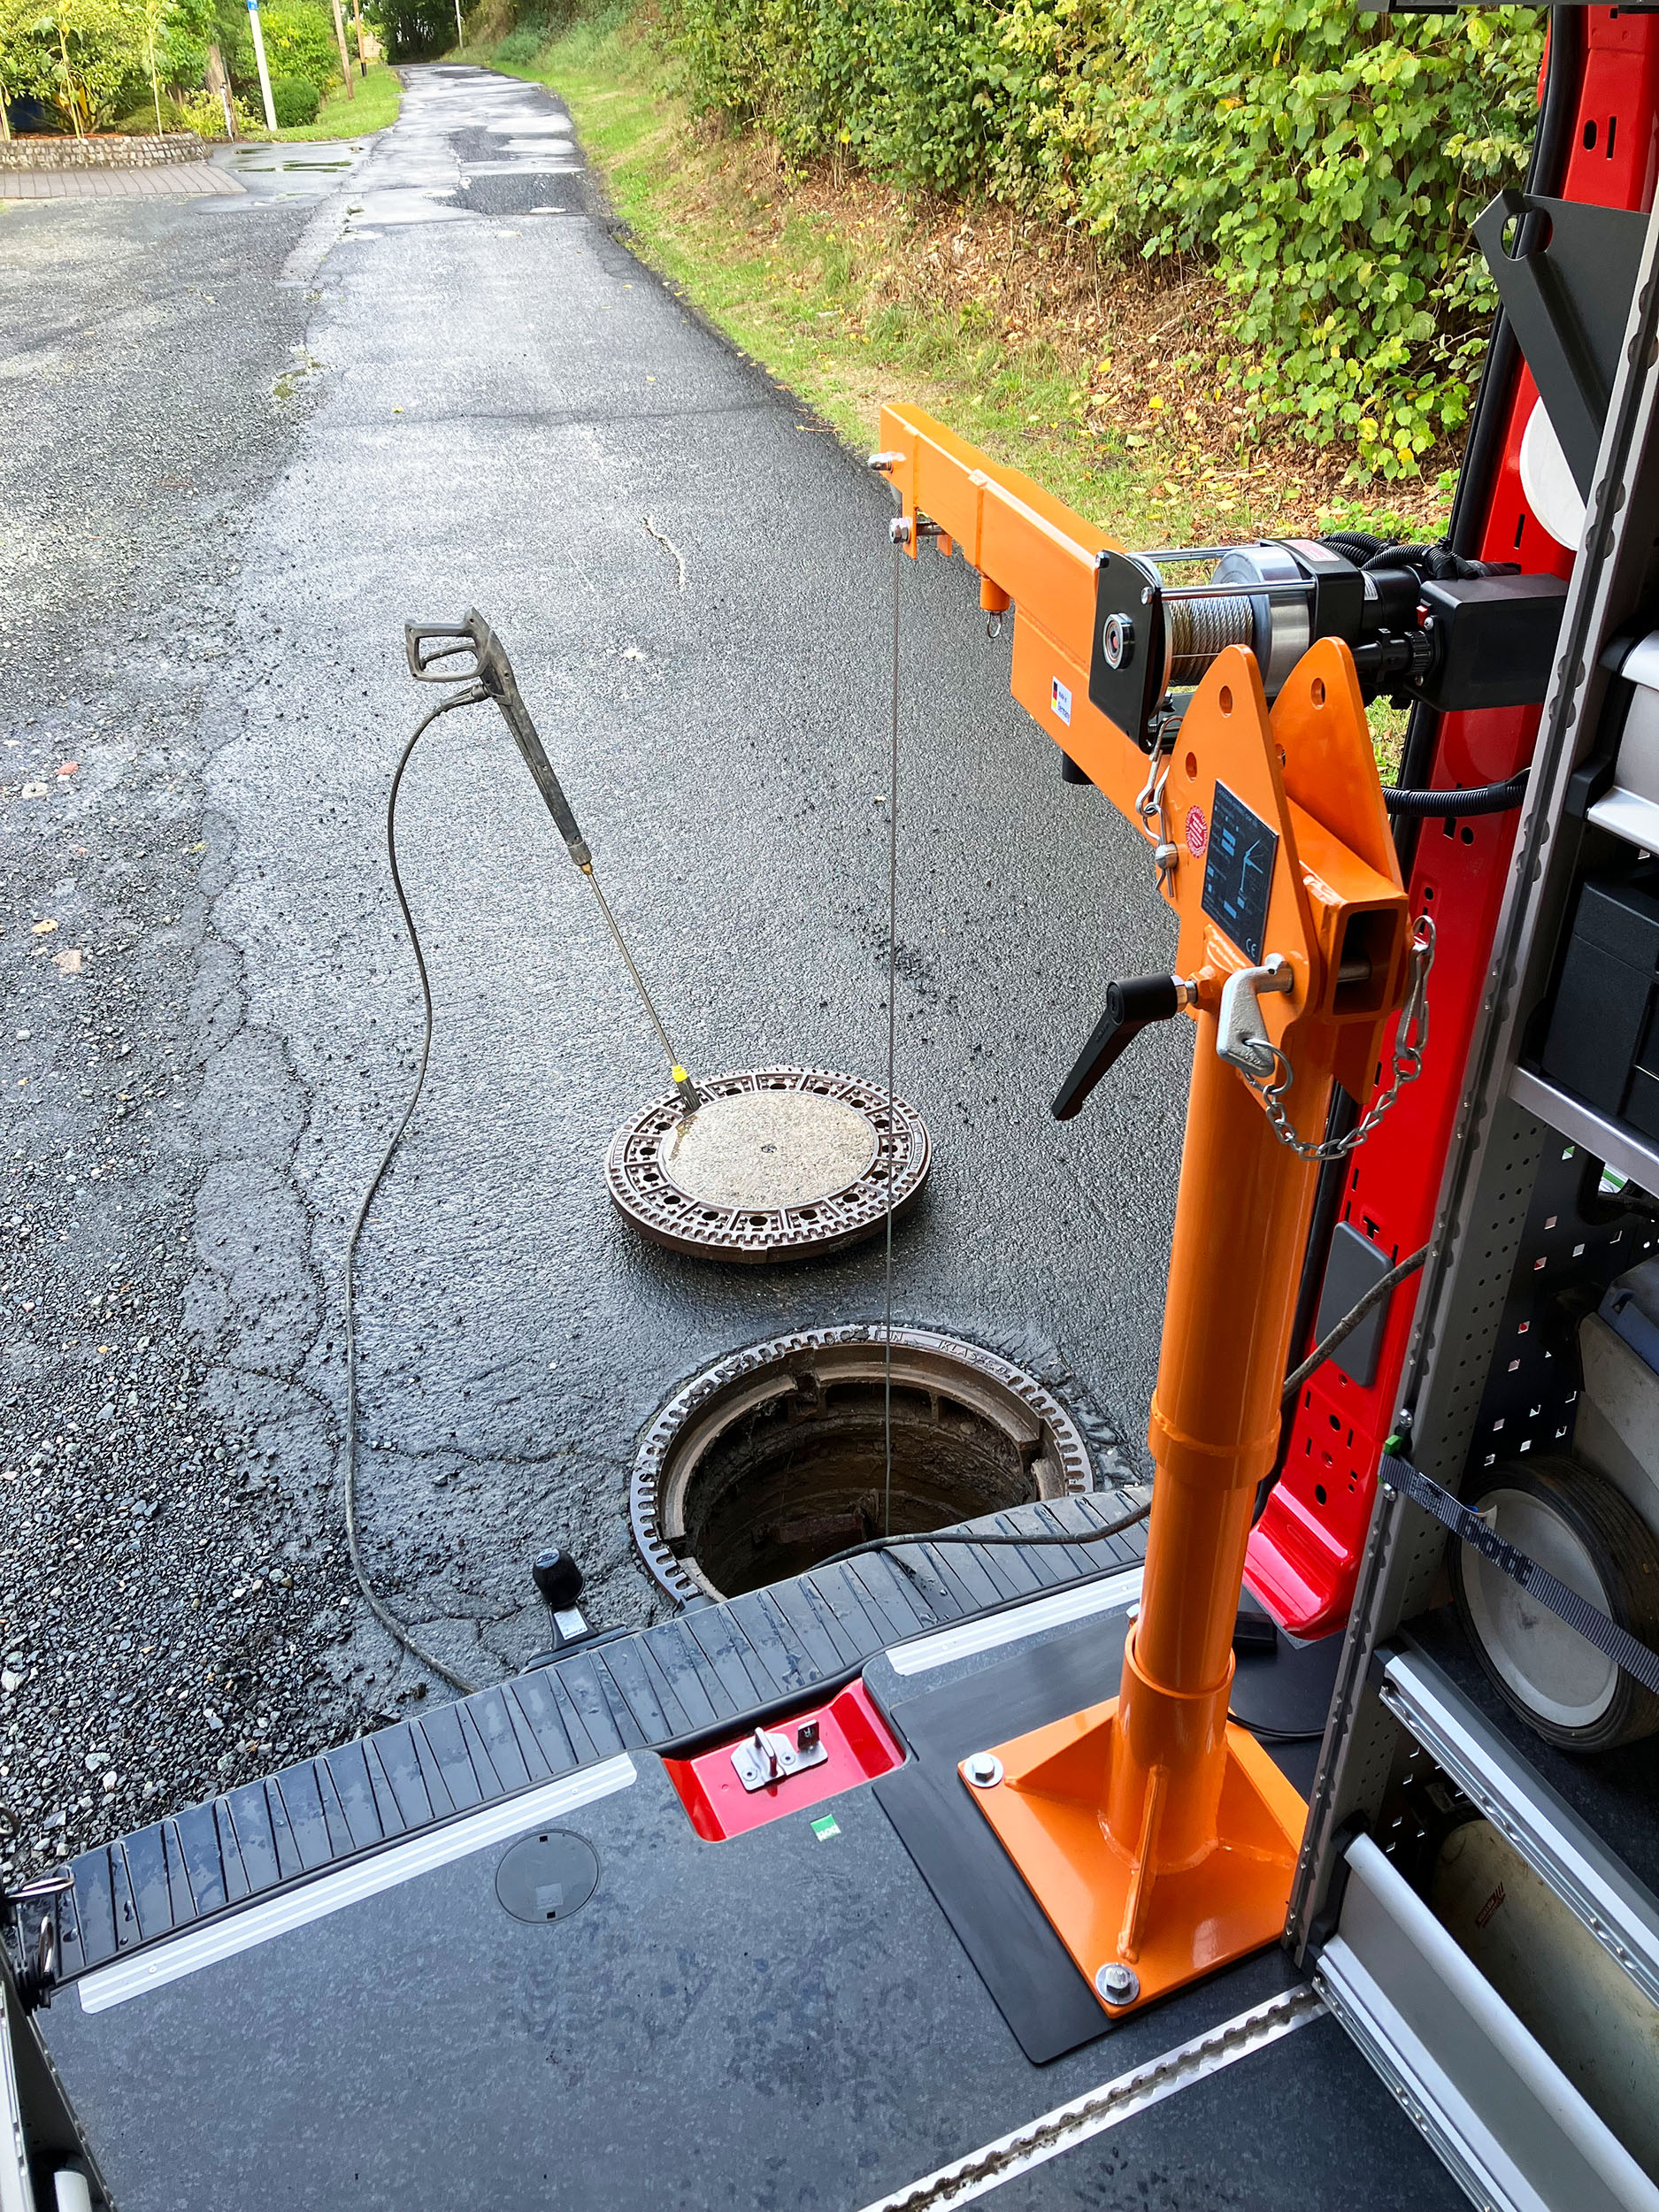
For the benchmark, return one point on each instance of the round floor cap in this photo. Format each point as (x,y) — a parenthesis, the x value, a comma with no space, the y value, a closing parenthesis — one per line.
(547,1876)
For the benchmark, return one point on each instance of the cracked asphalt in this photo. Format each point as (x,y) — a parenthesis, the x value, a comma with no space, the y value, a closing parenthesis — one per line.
(242,439)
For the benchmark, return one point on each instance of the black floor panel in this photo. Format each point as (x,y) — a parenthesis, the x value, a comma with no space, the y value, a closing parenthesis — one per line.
(786,2020)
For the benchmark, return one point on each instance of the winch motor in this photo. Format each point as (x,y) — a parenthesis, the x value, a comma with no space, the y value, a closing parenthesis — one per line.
(1421,624)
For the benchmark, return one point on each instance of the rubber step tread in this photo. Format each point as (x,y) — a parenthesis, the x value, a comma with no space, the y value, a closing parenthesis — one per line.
(707,1667)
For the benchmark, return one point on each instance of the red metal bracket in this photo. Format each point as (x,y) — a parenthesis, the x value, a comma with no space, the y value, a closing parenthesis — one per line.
(852,1731)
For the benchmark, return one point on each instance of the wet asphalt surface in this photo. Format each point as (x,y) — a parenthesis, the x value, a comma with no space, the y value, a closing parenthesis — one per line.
(242,439)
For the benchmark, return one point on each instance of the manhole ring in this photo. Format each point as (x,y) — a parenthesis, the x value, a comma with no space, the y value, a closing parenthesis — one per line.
(775,1378)
(678,1200)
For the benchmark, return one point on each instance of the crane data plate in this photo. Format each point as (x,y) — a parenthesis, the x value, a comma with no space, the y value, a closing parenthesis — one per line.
(1239,873)
(774,1162)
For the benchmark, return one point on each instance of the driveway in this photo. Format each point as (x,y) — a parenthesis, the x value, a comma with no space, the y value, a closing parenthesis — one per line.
(242,439)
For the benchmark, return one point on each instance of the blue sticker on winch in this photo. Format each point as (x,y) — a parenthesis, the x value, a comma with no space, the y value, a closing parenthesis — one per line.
(1239,873)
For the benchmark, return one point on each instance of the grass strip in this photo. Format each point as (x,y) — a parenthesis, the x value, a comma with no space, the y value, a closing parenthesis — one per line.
(378,97)
(833,284)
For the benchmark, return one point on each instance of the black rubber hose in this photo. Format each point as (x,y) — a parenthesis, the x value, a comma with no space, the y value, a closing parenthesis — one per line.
(1438,562)
(399,1631)
(1482,798)
(1354,545)
(964,1536)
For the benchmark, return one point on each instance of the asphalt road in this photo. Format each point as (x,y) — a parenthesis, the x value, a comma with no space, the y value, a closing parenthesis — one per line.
(242,439)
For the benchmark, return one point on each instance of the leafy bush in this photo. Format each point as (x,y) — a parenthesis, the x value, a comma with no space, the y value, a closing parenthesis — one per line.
(95,60)
(1328,165)
(521,44)
(200,113)
(295,101)
(84,58)
(299,42)
(414,29)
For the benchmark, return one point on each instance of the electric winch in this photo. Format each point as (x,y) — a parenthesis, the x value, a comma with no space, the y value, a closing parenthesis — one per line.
(1420,625)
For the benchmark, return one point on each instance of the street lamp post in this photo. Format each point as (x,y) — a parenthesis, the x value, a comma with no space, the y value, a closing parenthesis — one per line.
(258,55)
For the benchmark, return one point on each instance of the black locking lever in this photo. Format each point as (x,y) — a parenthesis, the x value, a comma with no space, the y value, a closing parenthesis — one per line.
(1129,1008)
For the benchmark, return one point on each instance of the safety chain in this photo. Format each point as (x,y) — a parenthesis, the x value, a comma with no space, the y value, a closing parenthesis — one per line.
(1410,1042)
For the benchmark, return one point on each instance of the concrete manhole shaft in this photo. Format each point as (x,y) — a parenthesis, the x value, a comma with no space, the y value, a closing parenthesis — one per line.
(774,1459)
(775,1164)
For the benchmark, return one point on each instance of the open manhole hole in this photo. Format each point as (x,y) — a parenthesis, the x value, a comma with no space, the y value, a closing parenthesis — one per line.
(775,1163)
(774,1459)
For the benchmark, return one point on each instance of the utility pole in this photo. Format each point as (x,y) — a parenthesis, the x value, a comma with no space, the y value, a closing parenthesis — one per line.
(363,58)
(345,58)
(219,84)
(460,28)
(255,25)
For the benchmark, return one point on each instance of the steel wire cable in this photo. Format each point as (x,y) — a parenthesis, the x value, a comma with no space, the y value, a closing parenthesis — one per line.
(892,1038)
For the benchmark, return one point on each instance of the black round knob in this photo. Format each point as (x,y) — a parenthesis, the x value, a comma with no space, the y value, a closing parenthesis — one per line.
(558,1579)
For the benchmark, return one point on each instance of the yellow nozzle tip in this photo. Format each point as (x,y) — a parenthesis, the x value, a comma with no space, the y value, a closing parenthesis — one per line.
(680,1075)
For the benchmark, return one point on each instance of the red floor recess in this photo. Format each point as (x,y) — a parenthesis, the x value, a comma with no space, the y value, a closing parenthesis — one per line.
(852,1731)
(1304,1554)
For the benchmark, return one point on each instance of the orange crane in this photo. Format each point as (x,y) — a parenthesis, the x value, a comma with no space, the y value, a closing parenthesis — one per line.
(1160,1841)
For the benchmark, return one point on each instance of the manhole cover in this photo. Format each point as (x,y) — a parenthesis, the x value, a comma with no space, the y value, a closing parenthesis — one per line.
(775,1459)
(774,1162)
(548,1876)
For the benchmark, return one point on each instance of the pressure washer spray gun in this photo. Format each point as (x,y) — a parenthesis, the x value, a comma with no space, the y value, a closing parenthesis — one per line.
(474,657)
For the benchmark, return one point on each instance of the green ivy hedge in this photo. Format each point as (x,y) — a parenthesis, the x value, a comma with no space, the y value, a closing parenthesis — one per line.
(1327,164)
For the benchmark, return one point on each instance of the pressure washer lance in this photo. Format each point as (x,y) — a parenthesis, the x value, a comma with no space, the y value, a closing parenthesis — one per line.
(467,654)
(490,671)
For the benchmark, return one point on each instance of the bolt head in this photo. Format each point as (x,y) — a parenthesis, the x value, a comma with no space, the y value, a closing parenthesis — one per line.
(1117,1984)
(983,1769)
(1118,641)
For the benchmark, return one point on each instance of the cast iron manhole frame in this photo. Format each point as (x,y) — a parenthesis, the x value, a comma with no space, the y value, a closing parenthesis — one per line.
(680,1577)
(646,1197)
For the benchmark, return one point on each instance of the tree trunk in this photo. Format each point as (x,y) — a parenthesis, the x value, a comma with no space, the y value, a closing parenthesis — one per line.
(345,57)
(357,13)
(154,83)
(69,84)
